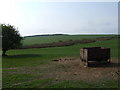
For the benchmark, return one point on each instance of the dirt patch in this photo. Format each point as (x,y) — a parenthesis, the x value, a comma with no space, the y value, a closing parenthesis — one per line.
(72,69)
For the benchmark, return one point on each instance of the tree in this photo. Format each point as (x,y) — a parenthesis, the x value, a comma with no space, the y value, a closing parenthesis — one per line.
(11,38)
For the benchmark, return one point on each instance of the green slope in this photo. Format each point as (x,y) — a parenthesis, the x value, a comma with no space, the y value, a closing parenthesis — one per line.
(38,56)
(51,39)
(42,56)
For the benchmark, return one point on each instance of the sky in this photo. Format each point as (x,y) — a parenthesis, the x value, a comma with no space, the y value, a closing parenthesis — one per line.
(33,17)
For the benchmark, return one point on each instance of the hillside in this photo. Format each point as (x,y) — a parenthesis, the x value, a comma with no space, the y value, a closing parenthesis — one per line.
(31,68)
(42,39)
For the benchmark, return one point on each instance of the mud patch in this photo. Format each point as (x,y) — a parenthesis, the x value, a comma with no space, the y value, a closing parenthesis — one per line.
(73,69)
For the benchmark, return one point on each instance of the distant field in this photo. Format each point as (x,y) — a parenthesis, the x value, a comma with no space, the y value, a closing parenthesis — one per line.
(51,39)
(43,54)
(28,68)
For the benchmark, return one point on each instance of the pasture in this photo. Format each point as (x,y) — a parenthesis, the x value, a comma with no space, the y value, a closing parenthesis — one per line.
(34,68)
(58,38)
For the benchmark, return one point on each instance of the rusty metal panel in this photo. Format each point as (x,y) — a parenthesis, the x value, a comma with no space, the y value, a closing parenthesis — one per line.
(95,53)
(83,53)
(105,53)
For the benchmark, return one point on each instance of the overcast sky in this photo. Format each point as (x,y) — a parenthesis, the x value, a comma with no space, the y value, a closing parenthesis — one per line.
(34,17)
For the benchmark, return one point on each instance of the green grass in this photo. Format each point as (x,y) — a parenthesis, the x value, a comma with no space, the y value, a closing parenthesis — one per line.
(13,80)
(51,39)
(82,84)
(48,83)
(20,81)
(39,56)
(0,72)
(43,56)
(34,84)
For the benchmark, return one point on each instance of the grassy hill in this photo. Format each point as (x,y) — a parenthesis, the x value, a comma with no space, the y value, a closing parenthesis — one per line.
(26,68)
(30,40)
(43,54)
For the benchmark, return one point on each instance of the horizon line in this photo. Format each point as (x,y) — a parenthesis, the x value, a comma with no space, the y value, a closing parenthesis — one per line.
(72,34)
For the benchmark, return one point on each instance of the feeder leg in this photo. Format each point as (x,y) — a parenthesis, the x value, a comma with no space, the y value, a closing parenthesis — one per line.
(108,60)
(87,63)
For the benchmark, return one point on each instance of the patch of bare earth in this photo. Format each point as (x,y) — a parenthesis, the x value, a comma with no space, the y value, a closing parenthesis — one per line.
(73,69)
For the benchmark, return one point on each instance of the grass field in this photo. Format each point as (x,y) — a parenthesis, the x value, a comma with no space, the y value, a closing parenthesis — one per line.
(20,68)
(51,39)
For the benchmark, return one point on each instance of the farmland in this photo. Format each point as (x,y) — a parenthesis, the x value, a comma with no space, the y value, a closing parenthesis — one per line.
(58,38)
(34,68)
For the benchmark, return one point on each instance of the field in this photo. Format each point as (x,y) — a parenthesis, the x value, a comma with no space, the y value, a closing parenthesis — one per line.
(58,38)
(35,68)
